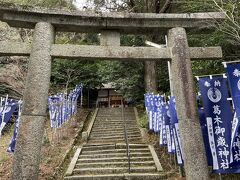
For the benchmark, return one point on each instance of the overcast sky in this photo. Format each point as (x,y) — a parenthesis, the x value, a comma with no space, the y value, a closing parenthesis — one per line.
(80,3)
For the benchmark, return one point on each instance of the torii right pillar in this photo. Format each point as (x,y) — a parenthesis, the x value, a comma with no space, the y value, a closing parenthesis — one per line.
(194,156)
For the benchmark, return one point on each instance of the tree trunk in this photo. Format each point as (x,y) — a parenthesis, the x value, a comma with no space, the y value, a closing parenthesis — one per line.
(150,76)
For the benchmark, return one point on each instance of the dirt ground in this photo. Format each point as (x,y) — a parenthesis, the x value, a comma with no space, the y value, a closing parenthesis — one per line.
(55,146)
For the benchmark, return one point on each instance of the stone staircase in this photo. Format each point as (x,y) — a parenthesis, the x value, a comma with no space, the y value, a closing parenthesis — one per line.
(104,156)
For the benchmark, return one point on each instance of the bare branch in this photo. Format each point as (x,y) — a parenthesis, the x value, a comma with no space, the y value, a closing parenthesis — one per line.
(231,26)
(165,6)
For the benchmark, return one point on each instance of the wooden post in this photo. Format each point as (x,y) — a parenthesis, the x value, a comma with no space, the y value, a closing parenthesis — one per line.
(190,132)
(30,134)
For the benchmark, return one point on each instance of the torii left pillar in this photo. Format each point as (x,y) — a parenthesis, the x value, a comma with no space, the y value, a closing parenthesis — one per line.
(31,128)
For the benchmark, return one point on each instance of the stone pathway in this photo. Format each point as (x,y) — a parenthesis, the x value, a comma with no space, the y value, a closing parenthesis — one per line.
(104,155)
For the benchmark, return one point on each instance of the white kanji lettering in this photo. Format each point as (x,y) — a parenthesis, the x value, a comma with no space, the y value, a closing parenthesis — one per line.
(219,130)
(207,84)
(237,155)
(236,144)
(221,141)
(223,152)
(217,83)
(224,164)
(217,120)
(236,72)
(216,110)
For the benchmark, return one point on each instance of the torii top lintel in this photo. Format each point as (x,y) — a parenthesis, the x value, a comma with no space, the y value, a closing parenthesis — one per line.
(131,23)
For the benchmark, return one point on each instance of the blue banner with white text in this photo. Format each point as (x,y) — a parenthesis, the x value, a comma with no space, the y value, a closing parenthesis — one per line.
(233,75)
(218,115)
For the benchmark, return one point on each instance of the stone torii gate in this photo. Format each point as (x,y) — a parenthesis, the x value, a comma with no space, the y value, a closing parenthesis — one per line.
(41,51)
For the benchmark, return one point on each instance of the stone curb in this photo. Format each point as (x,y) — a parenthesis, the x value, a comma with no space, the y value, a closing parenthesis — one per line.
(86,134)
(155,158)
(73,162)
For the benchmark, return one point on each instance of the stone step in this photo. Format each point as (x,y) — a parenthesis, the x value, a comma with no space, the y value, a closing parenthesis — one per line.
(91,147)
(115,118)
(116,108)
(122,139)
(103,130)
(97,151)
(117,145)
(115,114)
(115,111)
(114,128)
(130,140)
(113,122)
(114,133)
(117,133)
(115,164)
(115,154)
(126,114)
(104,137)
(114,137)
(115,159)
(101,146)
(110,170)
(132,176)
(108,135)
(101,112)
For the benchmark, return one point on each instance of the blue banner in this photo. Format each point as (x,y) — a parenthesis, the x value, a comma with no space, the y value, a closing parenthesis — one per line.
(157,100)
(62,106)
(204,129)
(12,144)
(175,130)
(233,74)
(218,115)
(8,107)
(169,130)
(148,99)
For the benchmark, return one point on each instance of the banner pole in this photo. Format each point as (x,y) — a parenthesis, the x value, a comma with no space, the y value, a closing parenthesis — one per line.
(181,171)
(220,176)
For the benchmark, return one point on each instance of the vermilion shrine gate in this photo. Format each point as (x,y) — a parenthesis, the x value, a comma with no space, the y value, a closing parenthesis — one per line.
(110,25)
